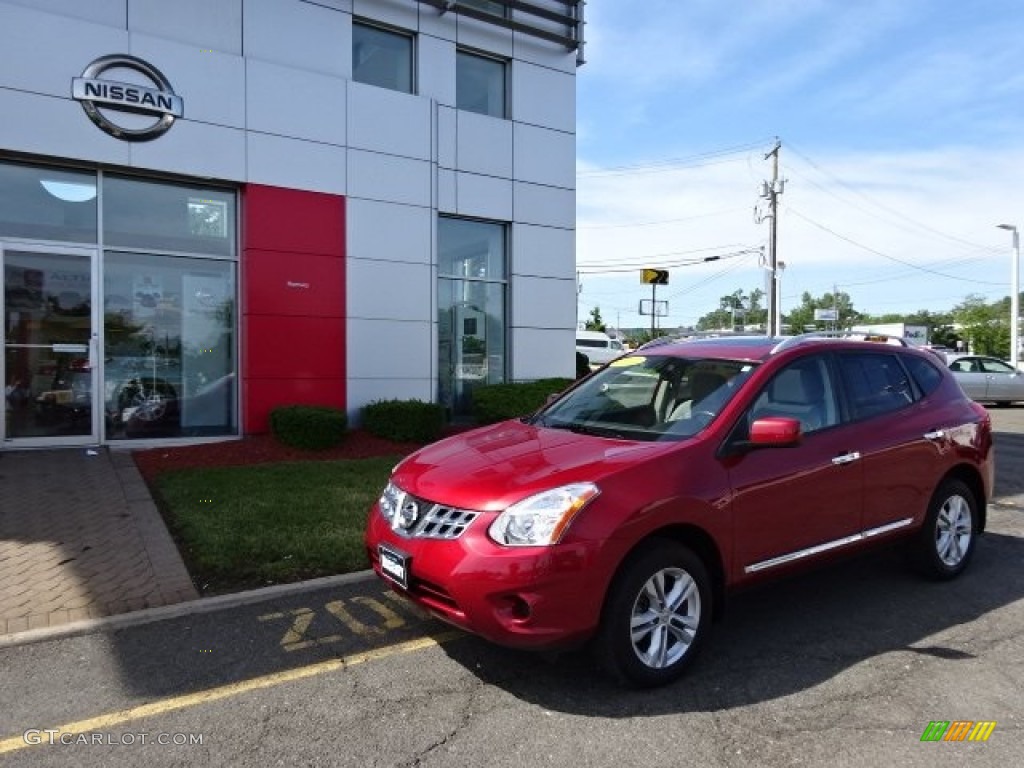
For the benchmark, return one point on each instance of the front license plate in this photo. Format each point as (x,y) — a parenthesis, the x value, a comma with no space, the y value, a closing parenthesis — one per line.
(394,565)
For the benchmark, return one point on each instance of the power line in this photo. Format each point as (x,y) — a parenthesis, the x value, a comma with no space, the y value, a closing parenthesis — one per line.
(905,263)
(712,157)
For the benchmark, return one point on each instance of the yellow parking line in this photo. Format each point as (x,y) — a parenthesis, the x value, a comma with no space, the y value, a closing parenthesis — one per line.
(226,691)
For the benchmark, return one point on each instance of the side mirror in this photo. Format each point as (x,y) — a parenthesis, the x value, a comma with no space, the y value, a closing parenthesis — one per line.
(774,431)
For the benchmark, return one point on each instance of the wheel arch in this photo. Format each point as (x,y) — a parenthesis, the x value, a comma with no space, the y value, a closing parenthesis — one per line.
(694,538)
(972,479)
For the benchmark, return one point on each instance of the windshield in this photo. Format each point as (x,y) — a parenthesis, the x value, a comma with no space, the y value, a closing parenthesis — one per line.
(648,397)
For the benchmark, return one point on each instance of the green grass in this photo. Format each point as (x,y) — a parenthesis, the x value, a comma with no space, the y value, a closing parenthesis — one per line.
(254,525)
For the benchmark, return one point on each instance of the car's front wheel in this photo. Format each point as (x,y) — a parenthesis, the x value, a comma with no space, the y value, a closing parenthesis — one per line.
(656,615)
(945,544)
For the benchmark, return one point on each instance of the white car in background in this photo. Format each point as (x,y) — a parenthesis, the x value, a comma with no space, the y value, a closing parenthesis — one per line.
(988,379)
(600,348)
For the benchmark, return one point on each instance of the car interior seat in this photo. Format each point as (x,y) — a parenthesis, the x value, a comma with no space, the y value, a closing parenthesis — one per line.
(702,384)
(797,392)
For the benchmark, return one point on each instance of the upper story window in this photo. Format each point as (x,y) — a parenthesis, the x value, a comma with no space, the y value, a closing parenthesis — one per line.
(487,6)
(382,57)
(480,84)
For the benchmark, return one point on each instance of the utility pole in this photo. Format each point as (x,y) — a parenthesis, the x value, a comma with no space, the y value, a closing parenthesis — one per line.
(771,190)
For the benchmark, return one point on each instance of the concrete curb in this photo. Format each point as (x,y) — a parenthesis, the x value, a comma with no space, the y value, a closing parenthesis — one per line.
(177,610)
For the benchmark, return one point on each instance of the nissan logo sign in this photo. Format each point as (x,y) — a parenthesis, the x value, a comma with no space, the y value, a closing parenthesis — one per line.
(122,108)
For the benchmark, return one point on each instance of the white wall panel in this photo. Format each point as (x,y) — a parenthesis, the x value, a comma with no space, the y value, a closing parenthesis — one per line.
(446,133)
(543,251)
(548,206)
(337,5)
(362,392)
(111,13)
(388,290)
(301,35)
(46,125)
(474,33)
(40,52)
(385,177)
(546,157)
(384,349)
(437,24)
(214,25)
(544,97)
(211,84)
(436,69)
(446,202)
(398,13)
(296,164)
(296,103)
(485,197)
(388,231)
(543,353)
(195,149)
(387,121)
(540,302)
(544,53)
(483,144)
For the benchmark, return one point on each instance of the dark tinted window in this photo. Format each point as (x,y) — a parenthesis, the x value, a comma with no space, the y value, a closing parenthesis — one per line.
(875,383)
(927,376)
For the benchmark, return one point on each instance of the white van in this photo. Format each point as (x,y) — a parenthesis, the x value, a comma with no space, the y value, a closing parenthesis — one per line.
(600,348)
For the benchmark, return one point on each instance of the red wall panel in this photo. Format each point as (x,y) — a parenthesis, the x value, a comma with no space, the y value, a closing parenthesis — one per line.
(293,301)
(280,283)
(263,395)
(291,220)
(281,346)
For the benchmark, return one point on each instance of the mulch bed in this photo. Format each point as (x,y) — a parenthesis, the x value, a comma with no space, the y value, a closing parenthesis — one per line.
(261,449)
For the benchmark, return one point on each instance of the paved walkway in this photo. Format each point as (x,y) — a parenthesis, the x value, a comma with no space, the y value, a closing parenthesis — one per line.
(80,538)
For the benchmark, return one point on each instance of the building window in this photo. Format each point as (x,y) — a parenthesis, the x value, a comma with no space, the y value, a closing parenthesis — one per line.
(487,6)
(472,257)
(480,84)
(382,57)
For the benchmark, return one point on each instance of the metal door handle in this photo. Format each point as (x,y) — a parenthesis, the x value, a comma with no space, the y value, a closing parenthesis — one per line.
(846,458)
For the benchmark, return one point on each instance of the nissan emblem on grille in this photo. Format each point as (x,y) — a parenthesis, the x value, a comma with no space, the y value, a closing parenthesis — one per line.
(409,514)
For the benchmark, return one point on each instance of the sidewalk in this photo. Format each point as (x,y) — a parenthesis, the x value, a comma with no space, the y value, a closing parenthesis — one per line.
(80,537)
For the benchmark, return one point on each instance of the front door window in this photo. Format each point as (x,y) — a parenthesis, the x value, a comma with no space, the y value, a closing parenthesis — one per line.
(49,347)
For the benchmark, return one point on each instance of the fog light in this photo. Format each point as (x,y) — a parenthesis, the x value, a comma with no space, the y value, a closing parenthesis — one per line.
(515,607)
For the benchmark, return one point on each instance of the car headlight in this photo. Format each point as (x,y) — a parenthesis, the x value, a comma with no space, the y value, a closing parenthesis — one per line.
(542,519)
(390,500)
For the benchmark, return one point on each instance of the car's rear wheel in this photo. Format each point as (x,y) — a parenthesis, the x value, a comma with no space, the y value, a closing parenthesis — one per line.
(946,542)
(656,615)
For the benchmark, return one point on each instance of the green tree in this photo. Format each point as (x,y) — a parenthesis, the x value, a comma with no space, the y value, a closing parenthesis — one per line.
(595,323)
(804,314)
(985,327)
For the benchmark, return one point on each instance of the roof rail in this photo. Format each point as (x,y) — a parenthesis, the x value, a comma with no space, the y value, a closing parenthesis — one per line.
(813,336)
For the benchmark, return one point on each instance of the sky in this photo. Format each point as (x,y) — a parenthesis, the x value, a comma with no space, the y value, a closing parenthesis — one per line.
(901,125)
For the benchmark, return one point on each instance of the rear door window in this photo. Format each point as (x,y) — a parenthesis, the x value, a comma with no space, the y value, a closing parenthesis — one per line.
(875,383)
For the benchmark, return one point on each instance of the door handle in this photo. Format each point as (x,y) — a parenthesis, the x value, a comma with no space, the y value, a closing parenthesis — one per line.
(846,458)
(936,434)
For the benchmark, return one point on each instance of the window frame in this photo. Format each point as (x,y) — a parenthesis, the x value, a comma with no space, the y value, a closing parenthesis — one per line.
(368,24)
(462,53)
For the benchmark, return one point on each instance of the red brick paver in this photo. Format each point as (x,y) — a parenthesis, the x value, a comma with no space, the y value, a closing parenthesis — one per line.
(81,538)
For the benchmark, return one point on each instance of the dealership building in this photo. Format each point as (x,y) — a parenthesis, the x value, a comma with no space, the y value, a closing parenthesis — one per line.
(211,208)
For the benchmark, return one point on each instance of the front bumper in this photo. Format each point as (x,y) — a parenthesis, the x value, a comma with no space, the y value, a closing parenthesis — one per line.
(521,597)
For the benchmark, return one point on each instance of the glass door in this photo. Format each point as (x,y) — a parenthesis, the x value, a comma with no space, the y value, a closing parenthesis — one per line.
(49,365)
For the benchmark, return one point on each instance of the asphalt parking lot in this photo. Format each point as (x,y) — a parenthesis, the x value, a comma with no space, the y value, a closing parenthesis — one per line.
(847,666)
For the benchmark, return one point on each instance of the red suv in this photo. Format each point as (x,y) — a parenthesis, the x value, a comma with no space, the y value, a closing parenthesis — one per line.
(626,509)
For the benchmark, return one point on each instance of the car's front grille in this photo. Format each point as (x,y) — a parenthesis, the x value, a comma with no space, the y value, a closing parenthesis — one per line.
(431,521)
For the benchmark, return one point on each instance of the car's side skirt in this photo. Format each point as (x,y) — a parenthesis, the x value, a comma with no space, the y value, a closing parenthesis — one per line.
(828,545)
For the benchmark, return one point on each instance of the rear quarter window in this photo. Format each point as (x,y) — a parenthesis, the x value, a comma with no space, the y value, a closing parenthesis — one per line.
(926,376)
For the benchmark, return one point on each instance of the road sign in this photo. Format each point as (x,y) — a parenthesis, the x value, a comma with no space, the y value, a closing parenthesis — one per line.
(654,276)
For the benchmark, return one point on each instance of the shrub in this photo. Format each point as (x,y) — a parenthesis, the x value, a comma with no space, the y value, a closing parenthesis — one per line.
(405,421)
(311,427)
(498,402)
(582,365)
